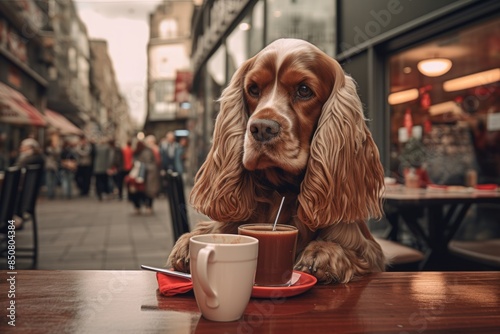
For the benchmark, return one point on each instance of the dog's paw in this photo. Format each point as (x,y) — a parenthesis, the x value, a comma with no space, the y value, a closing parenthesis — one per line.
(179,257)
(327,261)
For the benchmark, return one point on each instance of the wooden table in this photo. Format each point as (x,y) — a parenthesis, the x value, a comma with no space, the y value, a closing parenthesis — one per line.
(128,301)
(444,212)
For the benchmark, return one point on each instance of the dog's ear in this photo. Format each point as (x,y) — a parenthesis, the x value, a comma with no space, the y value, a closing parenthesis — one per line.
(344,176)
(223,189)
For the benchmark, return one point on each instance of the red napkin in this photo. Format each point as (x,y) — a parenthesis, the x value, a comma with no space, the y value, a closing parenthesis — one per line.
(486,187)
(171,286)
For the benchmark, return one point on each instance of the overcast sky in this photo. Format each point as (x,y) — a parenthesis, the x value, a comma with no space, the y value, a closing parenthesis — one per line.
(124,24)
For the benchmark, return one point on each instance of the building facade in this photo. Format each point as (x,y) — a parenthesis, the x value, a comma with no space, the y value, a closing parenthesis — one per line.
(169,72)
(112,119)
(23,71)
(54,81)
(383,44)
(69,85)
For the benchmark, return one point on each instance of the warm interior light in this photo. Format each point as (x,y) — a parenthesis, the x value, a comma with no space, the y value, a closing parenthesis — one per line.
(445,107)
(244,26)
(403,96)
(434,67)
(472,80)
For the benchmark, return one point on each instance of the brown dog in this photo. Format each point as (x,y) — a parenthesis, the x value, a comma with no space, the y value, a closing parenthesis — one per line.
(291,124)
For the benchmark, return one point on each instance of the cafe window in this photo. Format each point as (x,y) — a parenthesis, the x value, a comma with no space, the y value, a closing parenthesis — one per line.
(217,66)
(246,39)
(216,81)
(237,46)
(299,19)
(445,106)
(256,32)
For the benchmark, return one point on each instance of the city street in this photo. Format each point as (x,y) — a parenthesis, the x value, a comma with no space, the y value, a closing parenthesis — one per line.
(83,233)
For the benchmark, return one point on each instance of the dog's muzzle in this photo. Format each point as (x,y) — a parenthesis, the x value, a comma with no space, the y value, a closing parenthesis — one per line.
(264,130)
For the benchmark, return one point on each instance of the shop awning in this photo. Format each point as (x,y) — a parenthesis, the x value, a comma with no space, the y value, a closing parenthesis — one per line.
(15,109)
(61,123)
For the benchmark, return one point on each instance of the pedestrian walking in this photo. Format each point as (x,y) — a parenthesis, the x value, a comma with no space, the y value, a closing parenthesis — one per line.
(52,165)
(128,160)
(116,169)
(102,163)
(145,162)
(29,154)
(83,175)
(170,152)
(69,164)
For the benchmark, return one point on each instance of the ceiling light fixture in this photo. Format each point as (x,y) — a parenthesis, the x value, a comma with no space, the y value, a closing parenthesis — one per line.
(434,67)
(472,80)
(445,107)
(403,96)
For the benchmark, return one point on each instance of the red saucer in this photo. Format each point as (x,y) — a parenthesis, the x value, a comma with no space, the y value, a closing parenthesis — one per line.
(304,283)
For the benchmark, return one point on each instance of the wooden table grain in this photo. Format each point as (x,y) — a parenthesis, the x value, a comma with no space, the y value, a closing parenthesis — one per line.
(128,302)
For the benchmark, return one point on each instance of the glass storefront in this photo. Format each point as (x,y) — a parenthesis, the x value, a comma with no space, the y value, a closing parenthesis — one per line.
(246,39)
(445,106)
(300,19)
(237,46)
(256,39)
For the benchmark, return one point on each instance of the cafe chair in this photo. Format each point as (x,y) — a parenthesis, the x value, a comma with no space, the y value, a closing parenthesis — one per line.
(483,252)
(177,202)
(8,196)
(399,256)
(26,207)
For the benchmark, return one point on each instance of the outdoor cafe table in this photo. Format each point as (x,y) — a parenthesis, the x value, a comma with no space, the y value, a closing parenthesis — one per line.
(128,301)
(444,212)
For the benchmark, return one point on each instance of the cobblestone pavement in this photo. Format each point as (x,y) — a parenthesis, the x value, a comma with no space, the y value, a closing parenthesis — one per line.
(84,233)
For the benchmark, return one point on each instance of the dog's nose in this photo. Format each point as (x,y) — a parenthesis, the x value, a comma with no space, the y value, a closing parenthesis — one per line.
(264,129)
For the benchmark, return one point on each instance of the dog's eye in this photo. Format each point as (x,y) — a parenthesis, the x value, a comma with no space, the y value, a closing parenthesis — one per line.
(253,90)
(304,92)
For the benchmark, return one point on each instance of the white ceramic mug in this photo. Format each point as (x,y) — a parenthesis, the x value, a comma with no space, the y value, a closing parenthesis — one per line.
(223,271)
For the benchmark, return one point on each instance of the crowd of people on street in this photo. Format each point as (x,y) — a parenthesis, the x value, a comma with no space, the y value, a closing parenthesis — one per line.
(134,171)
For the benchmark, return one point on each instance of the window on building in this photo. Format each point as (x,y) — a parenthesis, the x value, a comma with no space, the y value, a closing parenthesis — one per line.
(256,39)
(237,46)
(299,19)
(72,59)
(445,106)
(168,28)
(217,66)
(246,39)
(164,91)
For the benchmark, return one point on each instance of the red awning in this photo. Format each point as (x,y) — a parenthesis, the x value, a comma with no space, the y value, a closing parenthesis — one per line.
(61,123)
(15,109)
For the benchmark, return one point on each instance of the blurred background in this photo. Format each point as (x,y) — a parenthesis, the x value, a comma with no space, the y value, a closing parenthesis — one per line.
(116,71)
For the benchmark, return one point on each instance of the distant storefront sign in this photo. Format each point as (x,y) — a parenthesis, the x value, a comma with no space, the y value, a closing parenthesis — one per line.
(183,83)
(15,109)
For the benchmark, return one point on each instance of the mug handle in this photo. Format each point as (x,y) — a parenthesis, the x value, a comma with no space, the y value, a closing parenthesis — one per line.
(202,267)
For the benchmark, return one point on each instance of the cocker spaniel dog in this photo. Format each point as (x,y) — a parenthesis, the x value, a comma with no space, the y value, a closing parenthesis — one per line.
(291,124)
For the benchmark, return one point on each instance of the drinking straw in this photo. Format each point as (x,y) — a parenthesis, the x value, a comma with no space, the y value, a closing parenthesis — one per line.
(278,215)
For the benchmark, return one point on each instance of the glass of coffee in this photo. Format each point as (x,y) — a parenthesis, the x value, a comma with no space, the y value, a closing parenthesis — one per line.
(276,252)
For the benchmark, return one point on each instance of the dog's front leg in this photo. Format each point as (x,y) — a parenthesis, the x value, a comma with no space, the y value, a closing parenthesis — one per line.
(340,253)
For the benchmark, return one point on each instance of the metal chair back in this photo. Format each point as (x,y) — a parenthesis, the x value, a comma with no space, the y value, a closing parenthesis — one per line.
(8,196)
(177,201)
(25,208)
(29,190)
